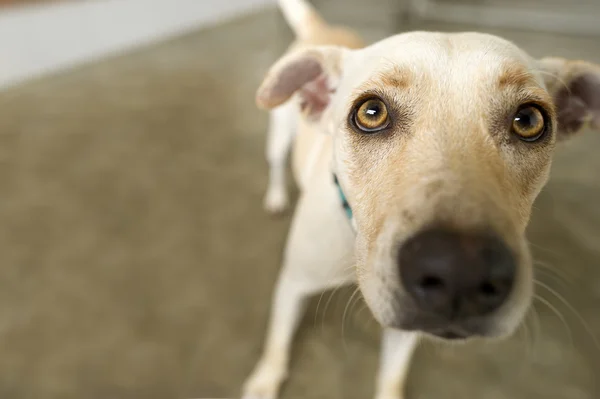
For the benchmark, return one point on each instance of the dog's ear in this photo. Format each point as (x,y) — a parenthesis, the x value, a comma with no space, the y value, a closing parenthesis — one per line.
(575,87)
(312,73)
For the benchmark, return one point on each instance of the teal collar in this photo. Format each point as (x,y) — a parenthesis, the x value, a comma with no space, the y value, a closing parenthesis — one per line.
(345,203)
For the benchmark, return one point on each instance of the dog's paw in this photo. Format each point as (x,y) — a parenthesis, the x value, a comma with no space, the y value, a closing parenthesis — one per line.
(276,200)
(390,396)
(264,383)
(389,393)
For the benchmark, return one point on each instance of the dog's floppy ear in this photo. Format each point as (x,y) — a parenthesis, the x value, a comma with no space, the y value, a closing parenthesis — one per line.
(312,73)
(575,87)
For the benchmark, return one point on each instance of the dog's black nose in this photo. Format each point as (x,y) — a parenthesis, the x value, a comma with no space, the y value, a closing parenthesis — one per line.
(456,276)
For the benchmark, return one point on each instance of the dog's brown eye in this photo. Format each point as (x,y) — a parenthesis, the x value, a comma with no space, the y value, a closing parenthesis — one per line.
(529,123)
(371,116)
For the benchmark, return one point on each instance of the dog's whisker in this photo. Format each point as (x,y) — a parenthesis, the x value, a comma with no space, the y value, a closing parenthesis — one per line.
(572,309)
(331,295)
(560,316)
(556,272)
(360,310)
(544,249)
(323,294)
(356,291)
(529,343)
(536,326)
(317,309)
(550,274)
(357,300)
(368,320)
(532,327)
(565,275)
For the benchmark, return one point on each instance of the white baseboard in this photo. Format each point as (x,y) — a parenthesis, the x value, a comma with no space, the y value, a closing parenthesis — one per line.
(36,40)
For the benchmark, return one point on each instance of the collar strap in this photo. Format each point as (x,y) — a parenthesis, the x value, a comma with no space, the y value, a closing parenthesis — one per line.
(343,199)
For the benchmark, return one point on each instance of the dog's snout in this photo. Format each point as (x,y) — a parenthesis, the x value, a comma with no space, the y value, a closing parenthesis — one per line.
(454,275)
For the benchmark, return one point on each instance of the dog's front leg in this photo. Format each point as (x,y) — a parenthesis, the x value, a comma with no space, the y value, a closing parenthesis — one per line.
(318,257)
(397,348)
(282,127)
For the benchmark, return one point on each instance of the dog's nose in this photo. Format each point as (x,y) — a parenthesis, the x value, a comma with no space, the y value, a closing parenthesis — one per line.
(456,276)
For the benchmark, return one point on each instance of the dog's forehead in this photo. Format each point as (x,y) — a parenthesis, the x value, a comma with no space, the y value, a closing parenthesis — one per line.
(449,57)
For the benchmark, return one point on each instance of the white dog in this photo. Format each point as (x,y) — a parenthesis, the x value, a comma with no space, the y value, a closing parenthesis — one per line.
(440,143)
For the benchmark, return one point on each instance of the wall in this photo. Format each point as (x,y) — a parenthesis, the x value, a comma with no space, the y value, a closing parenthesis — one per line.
(39,39)
(578,17)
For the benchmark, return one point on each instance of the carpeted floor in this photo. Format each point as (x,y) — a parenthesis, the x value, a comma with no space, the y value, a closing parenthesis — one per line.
(136,261)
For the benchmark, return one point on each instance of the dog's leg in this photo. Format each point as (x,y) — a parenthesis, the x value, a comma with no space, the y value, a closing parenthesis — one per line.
(288,307)
(396,352)
(318,257)
(282,125)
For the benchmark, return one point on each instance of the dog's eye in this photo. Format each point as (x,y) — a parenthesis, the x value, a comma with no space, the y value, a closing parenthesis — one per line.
(371,116)
(529,123)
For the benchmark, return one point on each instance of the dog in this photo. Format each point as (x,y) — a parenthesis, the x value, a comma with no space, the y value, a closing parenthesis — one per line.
(418,160)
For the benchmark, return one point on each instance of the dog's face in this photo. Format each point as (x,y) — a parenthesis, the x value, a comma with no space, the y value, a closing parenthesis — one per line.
(441,143)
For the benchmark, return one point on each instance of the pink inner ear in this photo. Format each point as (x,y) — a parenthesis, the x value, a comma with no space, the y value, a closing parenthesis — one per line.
(588,89)
(295,76)
(579,103)
(315,96)
(572,112)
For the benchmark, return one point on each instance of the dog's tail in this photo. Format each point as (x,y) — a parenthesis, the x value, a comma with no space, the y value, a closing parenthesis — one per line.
(301,16)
